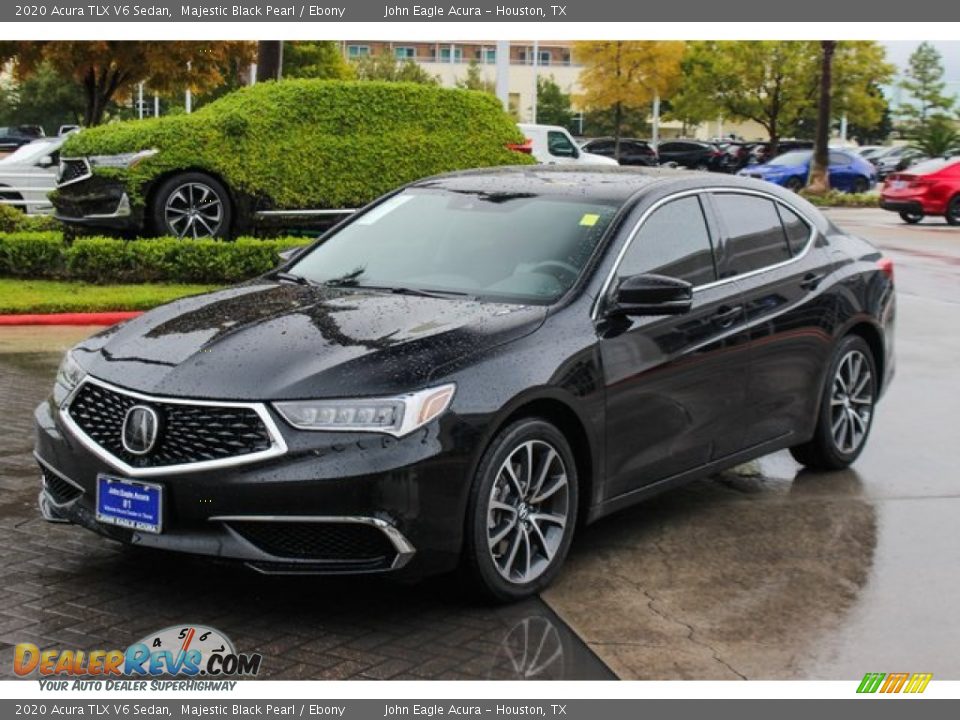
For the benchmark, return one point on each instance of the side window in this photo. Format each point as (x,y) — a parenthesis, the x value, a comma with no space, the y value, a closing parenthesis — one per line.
(798,232)
(755,237)
(669,147)
(839,159)
(673,241)
(559,145)
(601,147)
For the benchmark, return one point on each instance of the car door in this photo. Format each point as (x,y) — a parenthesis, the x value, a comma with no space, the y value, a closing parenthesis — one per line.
(772,251)
(675,385)
(561,148)
(841,171)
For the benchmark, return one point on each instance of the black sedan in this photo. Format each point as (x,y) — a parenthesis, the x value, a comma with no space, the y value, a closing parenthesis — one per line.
(472,367)
(631,151)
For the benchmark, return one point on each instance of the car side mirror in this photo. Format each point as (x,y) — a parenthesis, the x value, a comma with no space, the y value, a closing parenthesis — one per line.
(46,161)
(650,294)
(290,253)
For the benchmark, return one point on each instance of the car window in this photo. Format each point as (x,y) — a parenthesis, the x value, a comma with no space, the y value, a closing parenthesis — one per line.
(837,158)
(796,228)
(601,147)
(670,147)
(559,144)
(673,241)
(755,237)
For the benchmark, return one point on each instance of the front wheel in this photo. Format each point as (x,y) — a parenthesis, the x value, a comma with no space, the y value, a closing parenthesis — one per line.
(192,205)
(846,409)
(953,211)
(911,218)
(522,511)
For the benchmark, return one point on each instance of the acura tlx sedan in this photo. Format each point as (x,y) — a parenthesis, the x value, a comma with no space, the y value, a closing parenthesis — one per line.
(472,367)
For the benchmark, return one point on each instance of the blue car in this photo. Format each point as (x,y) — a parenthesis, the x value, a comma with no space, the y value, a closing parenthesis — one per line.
(848,171)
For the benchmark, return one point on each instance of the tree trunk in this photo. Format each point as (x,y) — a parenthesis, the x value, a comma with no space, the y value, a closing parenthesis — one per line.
(269,60)
(819,182)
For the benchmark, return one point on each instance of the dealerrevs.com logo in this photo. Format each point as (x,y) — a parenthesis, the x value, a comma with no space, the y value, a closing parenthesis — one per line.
(179,650)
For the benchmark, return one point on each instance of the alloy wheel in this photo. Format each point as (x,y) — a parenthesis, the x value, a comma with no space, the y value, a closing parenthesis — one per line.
(528,511)
(851,402)
(193,210)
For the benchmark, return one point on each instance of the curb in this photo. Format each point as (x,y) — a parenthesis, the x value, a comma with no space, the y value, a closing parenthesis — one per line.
(95,318)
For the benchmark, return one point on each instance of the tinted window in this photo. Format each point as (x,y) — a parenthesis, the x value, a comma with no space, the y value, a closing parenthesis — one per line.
(601,147)
(798,232)
(559,144)
(673,241)
(671,147)
(755,236)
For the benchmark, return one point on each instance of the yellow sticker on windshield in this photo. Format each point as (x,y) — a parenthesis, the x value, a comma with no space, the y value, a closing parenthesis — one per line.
(589,219)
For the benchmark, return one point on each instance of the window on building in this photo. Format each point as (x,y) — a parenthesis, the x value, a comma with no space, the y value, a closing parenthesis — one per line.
(490,56)
(405,53)
(445,54)
(358,51)
(545,57)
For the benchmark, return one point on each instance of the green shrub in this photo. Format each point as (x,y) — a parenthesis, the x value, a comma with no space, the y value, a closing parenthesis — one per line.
(835,198)
(108,260)
(15,220)
(316,143)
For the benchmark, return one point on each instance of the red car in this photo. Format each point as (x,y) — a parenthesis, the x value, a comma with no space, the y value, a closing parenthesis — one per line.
(928,188)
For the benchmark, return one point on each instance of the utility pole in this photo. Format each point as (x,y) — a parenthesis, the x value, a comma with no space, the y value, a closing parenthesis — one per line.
(188,96)
(536,60)
(503,73)
(655,125)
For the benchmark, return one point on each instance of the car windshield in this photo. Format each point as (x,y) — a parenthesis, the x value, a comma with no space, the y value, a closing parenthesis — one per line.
(32,151)
(508,246)
(792,158)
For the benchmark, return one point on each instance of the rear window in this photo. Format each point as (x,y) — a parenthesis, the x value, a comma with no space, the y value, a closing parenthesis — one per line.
(931,166)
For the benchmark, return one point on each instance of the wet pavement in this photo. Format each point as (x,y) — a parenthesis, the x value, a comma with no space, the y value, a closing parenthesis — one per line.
(768,572)
(778,573)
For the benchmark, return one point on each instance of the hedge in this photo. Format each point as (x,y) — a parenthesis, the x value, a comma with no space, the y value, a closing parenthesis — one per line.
(15,220)
(44,255)
(316,143)
(835,198)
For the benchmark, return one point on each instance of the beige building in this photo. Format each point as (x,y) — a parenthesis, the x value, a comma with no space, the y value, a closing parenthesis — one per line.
(450,61)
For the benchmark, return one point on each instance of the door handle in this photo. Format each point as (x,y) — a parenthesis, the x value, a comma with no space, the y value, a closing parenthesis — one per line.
(726,316)
(811,280)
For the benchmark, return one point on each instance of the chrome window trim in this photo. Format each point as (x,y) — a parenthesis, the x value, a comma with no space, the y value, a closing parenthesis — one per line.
(405,550)
(83,177)
(277,444)
(605,288)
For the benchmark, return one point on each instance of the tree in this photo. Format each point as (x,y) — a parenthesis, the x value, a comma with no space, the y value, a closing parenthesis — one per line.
(387,67)
(819,180)
(873,133)
(553,104)
(269,60)
(924,82)
(475,80)
(322,60)
(937,138)
(108,71)
(626,75)
(43,99)
(775,83)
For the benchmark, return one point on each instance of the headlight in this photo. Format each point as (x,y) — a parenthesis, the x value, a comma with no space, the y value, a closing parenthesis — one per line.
(396,416)
(123,160)
(70,373)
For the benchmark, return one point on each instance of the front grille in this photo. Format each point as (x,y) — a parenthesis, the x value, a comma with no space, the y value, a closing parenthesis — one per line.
(71,171)
(323,541)
(59,490)
(188,433)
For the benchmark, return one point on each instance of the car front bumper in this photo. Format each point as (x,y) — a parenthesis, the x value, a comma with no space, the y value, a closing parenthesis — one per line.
(331,503)
(96,202)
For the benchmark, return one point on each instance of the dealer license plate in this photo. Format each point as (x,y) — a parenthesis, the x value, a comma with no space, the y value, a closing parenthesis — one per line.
(129,503)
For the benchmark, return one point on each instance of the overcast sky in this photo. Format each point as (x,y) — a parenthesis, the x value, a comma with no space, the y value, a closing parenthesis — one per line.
(899,53)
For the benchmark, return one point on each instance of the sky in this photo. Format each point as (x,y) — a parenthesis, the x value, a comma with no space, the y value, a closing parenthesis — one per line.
(898,53)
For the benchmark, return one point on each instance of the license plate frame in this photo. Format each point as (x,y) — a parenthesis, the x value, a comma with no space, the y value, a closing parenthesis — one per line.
(145,509)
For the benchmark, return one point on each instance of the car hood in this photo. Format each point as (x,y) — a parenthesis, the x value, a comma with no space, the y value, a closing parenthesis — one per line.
(269,341)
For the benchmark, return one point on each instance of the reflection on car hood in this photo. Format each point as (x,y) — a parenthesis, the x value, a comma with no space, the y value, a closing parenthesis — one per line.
(276,341)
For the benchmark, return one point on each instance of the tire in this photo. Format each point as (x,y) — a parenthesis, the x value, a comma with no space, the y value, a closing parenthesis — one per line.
(860,185)
(514,547)
(953,211)
(702,167)
(192,205)
(795,184)
(7,195)
(911,218)
(846,413)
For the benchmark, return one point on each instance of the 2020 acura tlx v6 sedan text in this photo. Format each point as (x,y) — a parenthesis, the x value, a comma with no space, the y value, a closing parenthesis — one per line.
(468,369)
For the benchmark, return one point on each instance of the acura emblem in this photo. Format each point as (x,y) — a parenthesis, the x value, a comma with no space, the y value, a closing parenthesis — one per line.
(140,429)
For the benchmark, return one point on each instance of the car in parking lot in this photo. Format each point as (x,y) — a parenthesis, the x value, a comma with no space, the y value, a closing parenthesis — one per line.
(760,152)
(12,138)
(633,151)
(895,159)
(554,145)
(28,175)
(471,368)
(691,154)
(928,188)
(848,171)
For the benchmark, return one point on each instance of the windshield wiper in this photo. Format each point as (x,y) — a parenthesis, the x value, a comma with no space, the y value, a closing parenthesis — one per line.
(293,278)
(397,289)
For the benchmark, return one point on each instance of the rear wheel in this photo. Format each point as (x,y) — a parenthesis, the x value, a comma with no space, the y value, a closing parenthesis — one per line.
(911,217)
(192,205)
(795,184)
(846,409)
(859,185)
(953,211)
(522,511)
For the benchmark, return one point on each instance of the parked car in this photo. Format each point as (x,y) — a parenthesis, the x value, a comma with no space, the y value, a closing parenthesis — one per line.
(895,159)
(760,152)
(296,154)
(736,156)
(632,151)
(471,368)
(848,171)
(12,138)
(869,151)
(554,145)
(28,175)
(928,188)
(691,154)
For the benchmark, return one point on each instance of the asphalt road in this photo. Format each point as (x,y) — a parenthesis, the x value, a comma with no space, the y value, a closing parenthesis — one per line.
(765,573)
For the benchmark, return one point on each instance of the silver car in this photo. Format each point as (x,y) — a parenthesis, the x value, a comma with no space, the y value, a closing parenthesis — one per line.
(27,175)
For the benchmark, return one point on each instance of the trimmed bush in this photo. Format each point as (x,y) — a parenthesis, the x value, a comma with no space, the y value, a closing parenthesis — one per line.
(15,220)
(108,260)
(316,143)
(835,198)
